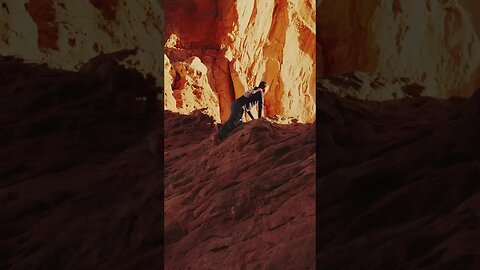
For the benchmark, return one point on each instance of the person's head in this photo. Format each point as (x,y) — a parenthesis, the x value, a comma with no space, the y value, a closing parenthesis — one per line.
(264,86)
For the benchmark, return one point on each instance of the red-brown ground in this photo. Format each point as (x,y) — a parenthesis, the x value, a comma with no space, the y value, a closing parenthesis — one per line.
(246,203)
(398,183)
(80,180)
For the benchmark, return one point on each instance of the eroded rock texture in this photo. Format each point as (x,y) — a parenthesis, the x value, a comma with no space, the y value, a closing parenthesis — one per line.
(66,34)
(244,42)
(246,203)
(432,42)
(365,86)
(398,183)
(80,180)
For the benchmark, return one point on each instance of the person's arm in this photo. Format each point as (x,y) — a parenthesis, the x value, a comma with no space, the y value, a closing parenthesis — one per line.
(260,104)
(250,114)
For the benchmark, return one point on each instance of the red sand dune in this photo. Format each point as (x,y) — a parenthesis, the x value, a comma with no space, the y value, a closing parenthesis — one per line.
(246,202)
(398,183)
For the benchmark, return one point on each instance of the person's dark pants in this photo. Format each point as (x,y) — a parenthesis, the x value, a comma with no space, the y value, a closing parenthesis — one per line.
(234,120)
(236,113)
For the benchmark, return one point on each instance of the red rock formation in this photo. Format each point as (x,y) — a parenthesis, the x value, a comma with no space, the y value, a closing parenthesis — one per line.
(43,13)
(420,40)
(79,181)
(66,34)
(399,187)
(187,88)
(472,7)
(169,75)
(201,29)
(245,203)
(364,86)
(107,7)
(244,42)
(80,162)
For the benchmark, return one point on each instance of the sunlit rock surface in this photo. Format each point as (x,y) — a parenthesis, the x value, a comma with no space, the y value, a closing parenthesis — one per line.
(244,42)
(66,34)
(433,42)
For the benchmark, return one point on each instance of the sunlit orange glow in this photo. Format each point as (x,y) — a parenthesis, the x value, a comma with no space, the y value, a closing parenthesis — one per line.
(241,43)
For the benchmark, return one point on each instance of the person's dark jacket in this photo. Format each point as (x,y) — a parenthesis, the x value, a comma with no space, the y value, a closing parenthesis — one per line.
(255,97)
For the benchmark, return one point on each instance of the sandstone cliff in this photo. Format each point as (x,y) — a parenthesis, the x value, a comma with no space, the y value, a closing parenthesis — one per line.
(66,34)
(367,86)
(433,42)
(243,42)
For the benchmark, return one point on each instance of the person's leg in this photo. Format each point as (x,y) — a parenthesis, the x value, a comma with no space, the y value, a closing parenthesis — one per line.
(225,128)
(235,109)
(238,119)
(230,124)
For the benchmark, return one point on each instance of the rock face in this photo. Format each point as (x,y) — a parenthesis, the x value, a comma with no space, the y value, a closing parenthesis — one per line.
(187,88)
(66,34)
(399,188)
(79,181)
(366,86)
(244,42)
(247,202)
(433,42)
(472,7)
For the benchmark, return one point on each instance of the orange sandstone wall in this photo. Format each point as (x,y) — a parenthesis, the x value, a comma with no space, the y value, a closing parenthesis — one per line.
(242,43)
(433,42)
(66,34)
